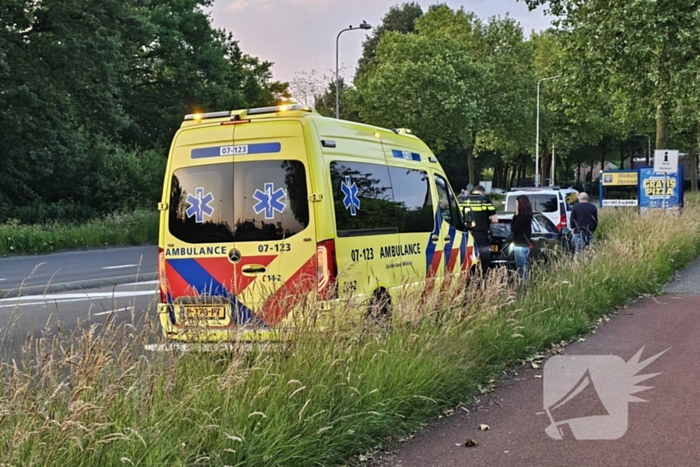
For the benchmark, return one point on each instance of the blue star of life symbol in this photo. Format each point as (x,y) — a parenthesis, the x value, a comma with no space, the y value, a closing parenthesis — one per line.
(269,201)
(199,205)
(351,200)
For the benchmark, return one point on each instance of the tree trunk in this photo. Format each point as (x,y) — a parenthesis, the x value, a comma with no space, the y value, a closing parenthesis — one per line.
(647,152)
(693,168)
(578,174)
(622,155)
(602,160)
(470,166)
(661,128)
(693,163)
(632,155)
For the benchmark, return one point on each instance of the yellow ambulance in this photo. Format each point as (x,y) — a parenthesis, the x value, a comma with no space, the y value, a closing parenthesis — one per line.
(267,210)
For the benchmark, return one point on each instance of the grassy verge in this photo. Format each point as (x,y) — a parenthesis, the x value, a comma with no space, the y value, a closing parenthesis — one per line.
(119,229)
(325,396)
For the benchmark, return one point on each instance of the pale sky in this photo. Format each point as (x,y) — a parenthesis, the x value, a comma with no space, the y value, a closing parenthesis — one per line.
(300,35)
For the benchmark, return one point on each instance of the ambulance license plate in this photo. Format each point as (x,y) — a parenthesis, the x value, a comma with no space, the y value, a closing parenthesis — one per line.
(494,247)
(205,312)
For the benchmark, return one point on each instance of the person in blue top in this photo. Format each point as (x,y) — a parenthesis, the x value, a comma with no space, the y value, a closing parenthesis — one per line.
(584,220)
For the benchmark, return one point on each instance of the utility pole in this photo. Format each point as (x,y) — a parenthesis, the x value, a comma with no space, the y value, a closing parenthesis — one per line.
(537,143)
(364,26)
(551,177)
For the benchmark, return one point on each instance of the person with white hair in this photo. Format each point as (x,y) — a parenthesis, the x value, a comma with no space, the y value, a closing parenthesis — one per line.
(584,220)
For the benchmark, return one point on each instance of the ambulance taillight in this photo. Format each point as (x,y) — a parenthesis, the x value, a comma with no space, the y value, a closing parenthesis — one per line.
(326,269)
(161,276)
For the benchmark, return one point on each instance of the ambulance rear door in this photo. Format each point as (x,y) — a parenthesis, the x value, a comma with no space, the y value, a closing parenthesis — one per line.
(274,249)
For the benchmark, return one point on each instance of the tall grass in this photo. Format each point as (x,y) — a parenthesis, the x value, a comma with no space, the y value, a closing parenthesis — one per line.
(95,398)
(133,228)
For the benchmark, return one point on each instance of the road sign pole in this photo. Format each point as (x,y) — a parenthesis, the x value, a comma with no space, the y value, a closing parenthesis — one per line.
(665,189)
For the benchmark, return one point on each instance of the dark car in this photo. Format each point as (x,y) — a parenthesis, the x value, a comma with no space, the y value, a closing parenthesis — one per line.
(545,241)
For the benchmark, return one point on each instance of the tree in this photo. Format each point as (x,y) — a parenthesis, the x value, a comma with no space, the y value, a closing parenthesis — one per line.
(458,82)
(632,48)
(399,19)
(92,87)
(426,83)
(510,104)
(307,88)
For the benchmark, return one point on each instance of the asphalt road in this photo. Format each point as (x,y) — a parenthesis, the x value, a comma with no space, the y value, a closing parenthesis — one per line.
(74,289)
(662,431)
(76,270)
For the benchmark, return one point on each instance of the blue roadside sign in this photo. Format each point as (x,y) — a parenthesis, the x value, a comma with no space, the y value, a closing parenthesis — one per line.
(657,189)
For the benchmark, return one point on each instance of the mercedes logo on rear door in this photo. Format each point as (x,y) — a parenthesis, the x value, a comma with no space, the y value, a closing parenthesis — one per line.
(234,255)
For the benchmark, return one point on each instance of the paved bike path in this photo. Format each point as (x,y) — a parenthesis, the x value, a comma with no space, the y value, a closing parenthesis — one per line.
(664,431)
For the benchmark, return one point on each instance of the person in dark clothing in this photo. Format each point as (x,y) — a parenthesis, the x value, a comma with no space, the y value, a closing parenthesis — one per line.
(521,227)
(584,220)
(484,214)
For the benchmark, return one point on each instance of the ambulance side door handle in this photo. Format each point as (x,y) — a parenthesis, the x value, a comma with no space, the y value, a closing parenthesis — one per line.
(448,238)
(435,238)
(254,269)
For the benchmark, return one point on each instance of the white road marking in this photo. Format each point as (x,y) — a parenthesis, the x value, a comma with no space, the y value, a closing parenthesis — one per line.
(37,303)
(70,297)
(103,313)
(139,283)
(2,280)
(121,266)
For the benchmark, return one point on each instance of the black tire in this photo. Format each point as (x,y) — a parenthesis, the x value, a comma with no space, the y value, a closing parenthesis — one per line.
(379,308)
(476,274)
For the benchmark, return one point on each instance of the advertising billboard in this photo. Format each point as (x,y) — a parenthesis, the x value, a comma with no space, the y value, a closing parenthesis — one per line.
(658,189)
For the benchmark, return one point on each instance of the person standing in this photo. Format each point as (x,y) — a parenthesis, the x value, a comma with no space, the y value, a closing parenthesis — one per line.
(484,214)
(463,195)
(521,227)
(584,220)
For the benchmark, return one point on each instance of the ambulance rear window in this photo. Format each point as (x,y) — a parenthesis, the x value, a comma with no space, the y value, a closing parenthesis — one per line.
(242,202)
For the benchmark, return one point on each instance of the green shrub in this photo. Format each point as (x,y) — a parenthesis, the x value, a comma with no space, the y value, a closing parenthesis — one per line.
(110,179)
(132,228)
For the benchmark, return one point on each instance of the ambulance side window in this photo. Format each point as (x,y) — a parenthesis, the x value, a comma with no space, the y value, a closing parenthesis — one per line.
(448,204)
(414,200)
(363,199)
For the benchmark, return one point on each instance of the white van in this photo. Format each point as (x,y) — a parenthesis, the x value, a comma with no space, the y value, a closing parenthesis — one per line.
(554,202)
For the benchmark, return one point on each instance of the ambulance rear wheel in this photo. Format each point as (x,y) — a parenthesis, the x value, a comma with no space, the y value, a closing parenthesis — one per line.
(379,305)
(474,276)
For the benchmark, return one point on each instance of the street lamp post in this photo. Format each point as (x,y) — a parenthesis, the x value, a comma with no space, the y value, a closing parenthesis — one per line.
(363,25)
(537,143)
